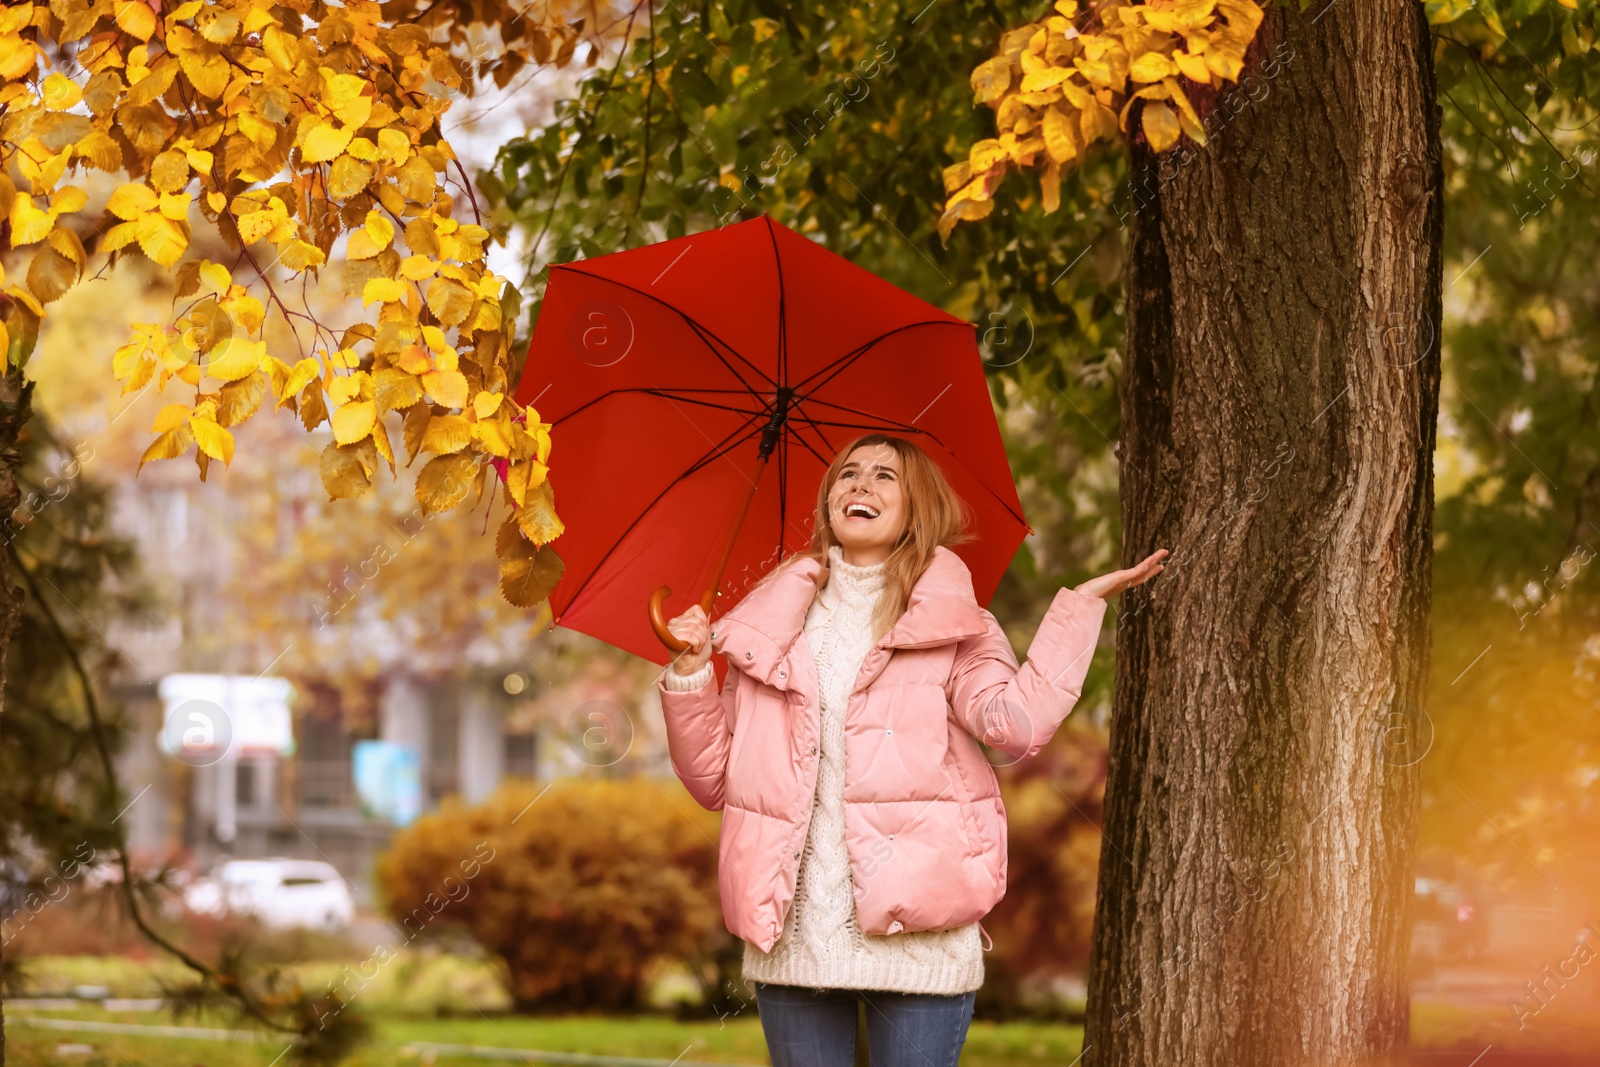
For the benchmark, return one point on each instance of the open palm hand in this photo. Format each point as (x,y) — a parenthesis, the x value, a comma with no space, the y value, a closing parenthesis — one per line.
(1109,585)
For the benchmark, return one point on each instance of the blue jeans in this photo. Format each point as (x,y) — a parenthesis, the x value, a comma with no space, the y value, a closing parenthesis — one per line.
(817,1027)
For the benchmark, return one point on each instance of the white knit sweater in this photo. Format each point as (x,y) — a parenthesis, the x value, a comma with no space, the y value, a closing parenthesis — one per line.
(821,946)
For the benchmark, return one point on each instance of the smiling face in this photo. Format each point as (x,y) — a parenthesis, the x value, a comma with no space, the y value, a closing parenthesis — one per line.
(867,504)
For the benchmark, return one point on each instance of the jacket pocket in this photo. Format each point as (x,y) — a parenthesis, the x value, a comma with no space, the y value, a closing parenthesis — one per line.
(968,820)
(743,718)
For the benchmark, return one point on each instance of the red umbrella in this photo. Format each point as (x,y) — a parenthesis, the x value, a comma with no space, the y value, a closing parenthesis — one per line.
(670,373)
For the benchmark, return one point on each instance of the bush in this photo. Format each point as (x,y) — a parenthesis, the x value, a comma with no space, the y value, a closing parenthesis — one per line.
(580,890)
(1042,927)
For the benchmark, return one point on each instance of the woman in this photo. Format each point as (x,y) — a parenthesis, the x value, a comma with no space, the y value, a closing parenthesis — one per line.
(863,835)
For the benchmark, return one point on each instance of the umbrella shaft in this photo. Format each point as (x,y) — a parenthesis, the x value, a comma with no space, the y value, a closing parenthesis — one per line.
(774,427)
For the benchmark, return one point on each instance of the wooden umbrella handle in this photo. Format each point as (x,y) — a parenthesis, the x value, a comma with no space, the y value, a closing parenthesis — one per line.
(658,615)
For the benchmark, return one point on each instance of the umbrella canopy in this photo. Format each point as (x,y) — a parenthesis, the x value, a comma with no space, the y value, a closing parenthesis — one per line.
(661,369)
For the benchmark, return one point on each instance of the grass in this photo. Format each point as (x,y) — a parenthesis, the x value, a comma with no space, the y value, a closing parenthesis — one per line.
(733,1040)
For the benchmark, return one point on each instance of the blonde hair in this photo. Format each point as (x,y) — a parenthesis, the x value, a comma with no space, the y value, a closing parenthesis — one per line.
(935,516)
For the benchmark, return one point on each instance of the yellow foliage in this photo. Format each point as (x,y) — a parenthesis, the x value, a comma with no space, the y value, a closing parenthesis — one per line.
(293,133)
(1059,85)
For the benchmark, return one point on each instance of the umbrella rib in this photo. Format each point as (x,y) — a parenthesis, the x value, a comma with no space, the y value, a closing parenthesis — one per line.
(783,490)
(720,451)
(839,365)
(704,333)
(783,331)
(669,394)
(881,420)
(794,429)
(715,451)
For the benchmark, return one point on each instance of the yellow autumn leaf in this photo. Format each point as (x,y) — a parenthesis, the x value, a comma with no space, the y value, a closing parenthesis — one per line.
(416,268)
(1224,65)
(1050,188)
(1058,136)
(447,387)
(353,421)
(348,177)
(134,17)
(414,359)
(235,358)
(537,517)
(299,377)
(217,25)
(28,222)
(18,57)
(119,236)
(216,276)
(394,145)
(343,388)
(324,142)
(175,206)
(261,133)
(492,436)
(446,434)
(361,246)
(170,418)
(340,89)
(486,404)
(133,200)
(991,79)
(213,440)
(450,301)
(1045,78)
(1151,67)
(161,238)
(300,255)
(529,573)
(208,72)
(380,229)
(60,92)
(354,115)
(1160,124)
(100,150)
(258,225)
(444,481)
(1193,67)
(169,445)
(387,290)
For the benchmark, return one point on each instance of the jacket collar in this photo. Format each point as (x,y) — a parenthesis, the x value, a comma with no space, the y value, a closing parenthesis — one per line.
(759,631)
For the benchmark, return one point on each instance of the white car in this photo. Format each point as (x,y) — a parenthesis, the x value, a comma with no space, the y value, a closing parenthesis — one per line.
(279,892)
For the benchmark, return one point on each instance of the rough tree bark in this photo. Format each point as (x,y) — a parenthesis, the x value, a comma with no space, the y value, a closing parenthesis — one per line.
(16,395)
(1278,410)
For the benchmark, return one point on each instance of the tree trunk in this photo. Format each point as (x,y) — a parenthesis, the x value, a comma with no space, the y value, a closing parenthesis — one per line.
(1278,409)
(16,394)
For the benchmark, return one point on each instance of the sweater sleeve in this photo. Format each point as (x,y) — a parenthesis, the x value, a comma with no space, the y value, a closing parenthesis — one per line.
(1018,710)
(678,683)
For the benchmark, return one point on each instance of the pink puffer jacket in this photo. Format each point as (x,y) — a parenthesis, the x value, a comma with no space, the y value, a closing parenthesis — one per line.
(925,828)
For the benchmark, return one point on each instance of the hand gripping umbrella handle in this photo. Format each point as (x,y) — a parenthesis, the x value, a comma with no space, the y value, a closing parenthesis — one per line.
(658,617)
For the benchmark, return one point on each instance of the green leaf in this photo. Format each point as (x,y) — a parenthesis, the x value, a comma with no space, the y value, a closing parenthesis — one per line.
(1441,12)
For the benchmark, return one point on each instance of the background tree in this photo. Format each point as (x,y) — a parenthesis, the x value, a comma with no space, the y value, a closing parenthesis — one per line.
(58,815)
(284,130)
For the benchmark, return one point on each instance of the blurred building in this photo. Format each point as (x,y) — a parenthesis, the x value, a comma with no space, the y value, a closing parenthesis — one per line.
(563,705)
